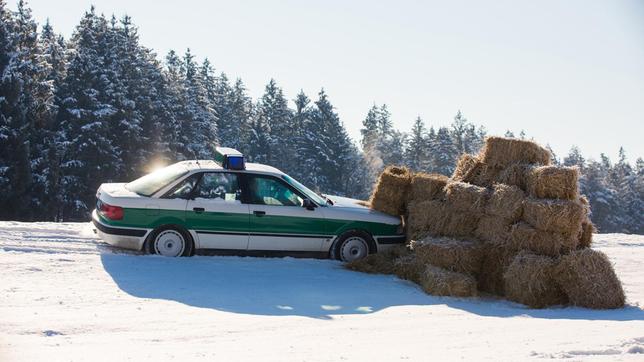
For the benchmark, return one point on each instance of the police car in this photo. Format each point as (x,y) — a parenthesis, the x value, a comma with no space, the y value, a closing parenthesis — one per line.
(230,205)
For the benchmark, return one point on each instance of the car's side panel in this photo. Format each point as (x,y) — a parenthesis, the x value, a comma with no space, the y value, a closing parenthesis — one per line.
(222,224)
(287,228)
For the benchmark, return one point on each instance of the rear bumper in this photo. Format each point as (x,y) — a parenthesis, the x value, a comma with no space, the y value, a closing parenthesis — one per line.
(127,238)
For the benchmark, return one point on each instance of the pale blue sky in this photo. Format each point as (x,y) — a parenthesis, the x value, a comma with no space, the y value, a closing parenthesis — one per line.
(566,71)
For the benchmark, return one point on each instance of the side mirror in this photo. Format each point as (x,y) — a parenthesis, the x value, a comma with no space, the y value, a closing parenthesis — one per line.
(308,204)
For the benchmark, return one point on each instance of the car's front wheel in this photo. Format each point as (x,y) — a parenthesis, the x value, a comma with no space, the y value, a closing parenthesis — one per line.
(171,241)
(352,245)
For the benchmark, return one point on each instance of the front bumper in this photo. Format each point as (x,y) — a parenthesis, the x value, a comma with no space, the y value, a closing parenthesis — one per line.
(127,238)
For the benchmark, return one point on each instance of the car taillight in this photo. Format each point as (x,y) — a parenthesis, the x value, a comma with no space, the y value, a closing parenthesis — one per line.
(111,212)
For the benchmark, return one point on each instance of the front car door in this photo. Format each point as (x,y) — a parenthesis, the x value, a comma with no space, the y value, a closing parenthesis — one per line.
(278,220)
(216,214)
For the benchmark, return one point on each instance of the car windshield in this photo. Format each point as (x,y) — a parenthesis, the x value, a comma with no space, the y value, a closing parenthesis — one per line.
(307,192)
(151,183)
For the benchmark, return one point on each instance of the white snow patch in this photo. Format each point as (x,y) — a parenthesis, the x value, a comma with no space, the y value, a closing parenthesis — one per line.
(65,295)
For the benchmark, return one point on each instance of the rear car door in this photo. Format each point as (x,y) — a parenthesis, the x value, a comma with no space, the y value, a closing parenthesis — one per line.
(278,220)
(216,214)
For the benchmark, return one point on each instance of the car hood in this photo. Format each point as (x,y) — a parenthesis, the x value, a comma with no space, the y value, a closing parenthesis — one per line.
(353,209)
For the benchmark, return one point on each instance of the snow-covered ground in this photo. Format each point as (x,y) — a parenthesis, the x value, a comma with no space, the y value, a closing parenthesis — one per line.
(67,296)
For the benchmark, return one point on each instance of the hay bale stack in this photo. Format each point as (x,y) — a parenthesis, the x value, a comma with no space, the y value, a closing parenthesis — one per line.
(589,280)
(438,218)
(506,201)
(379,263)
(493,228)
(421,215)
(525,237)
(441,282)
(502,152)
(462,196)
(586,237)
(409,267)
(483,175)
(515,175)
(529,280)
(425,186)
(460,256)
(390,193)
(464,166)
(553,182)
(558,216)
(496,259)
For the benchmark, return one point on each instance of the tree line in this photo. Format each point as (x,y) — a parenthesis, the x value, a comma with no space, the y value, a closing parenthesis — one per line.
(100,107)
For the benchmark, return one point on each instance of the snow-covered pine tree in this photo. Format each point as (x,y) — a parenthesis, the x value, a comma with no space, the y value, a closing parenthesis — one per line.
(416,150)
(53,51)
(27,112)
(444,153)
(199,120)
(340,162)
(273,112)
(84,116)
(310,144)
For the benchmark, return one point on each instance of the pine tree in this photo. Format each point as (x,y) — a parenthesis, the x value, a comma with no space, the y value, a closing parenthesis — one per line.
(27,110)
(274,114)
(85,117)
(416,150)
(443,153)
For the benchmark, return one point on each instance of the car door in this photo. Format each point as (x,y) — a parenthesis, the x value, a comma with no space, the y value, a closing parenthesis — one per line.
(278,220)
(216,214)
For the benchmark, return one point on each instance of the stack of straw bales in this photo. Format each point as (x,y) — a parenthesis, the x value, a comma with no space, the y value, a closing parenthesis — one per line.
(507,222)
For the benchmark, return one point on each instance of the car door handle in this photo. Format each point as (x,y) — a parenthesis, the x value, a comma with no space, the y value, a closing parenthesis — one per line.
(259,213)
(198,210)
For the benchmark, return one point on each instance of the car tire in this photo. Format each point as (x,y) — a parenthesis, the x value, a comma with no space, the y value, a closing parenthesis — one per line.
(353,245)
(171,241)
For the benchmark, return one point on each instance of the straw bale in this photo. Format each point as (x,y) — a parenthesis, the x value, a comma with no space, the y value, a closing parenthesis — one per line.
(438,218)
(587,230)
(426,186)
(465,165)
(525,237)
(378,263)
(441,282)
(390,193)
(493,228)
(560,216)
(409,267)
(529,280)
(553,182)
(462,196)
(515,175)
(462,256)
(506,201)
(588,278)
(502,152)
(496,258)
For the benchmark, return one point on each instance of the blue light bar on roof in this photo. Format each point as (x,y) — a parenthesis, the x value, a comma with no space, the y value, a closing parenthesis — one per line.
(229,158)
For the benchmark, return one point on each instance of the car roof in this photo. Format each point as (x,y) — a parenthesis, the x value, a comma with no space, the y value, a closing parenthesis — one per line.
(210,165)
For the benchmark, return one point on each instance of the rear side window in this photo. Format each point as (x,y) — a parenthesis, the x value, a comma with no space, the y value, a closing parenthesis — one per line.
(151,183)
(222,186)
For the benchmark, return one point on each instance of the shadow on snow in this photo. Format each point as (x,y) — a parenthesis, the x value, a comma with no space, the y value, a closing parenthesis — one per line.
(302,287)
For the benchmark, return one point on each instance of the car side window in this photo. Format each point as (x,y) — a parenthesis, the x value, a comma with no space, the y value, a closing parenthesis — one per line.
(270,191)
(184,188)
(219,186)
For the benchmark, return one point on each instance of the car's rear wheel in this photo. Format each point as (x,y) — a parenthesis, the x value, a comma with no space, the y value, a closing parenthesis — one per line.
(352,246)
(171,241)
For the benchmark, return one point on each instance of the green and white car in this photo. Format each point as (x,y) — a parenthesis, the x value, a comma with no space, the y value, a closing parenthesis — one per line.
(229,205)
